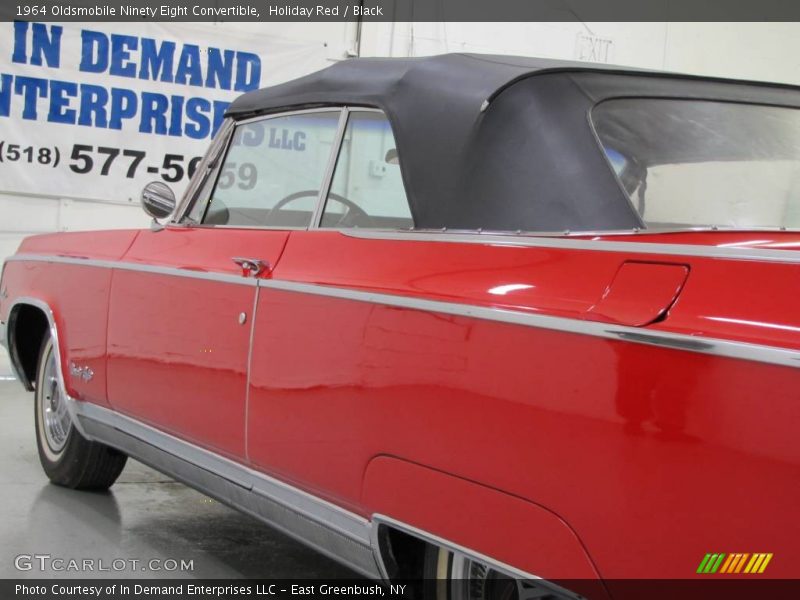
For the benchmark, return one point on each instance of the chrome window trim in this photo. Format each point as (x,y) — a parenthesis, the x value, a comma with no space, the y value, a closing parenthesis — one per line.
(204,170)
(221,152)
(327,180)
(316,223)
(210,165)
(676,341)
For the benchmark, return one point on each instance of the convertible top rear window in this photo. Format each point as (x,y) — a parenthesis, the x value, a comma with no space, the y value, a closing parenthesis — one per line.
(689,163)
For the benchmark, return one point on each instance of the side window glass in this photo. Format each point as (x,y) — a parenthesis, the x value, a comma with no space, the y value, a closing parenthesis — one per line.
(273,171)
(367,188)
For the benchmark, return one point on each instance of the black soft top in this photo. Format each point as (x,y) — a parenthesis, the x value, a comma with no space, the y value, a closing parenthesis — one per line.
(500,142)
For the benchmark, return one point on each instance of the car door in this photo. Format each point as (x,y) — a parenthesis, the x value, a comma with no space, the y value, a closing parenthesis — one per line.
(305,417)
(183,299)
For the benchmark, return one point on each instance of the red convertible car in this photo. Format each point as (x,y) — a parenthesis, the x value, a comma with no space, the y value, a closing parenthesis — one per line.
(469,318)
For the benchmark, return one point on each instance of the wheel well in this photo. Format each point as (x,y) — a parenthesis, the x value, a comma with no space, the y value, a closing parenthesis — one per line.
(403,556)
(28,326)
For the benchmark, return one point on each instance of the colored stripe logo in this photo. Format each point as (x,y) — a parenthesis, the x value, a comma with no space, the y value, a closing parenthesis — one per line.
(736,562)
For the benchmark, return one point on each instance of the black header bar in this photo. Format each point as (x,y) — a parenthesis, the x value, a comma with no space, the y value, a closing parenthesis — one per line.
(400,10)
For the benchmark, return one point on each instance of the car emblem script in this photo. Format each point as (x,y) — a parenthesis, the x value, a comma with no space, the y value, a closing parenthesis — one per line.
(84,373)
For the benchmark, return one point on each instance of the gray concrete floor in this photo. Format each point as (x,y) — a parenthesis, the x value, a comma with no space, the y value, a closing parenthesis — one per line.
(145,516)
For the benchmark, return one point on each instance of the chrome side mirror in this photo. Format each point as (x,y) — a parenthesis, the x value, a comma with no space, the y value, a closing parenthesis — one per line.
(391,157)
(158,200)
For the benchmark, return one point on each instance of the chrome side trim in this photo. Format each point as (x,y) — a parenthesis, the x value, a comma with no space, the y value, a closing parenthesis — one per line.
(18,371)
(523,240)
(129,266)
(329,529)
(676,341)
(203,171)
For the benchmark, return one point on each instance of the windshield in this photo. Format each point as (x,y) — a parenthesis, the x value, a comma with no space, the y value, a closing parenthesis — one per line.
(691,163)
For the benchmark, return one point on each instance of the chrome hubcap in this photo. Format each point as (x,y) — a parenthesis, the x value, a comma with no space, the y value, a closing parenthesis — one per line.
(55,417)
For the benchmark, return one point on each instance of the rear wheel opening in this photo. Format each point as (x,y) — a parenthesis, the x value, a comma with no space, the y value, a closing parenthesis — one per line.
(454,576)
(66,456)
(439,573)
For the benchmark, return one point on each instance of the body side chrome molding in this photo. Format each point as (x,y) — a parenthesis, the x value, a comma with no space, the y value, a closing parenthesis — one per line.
(651,337)
(676,341)
(131,266)
(522,240)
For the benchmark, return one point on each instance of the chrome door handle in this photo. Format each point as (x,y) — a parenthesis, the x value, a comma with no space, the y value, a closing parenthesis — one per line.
(251,266)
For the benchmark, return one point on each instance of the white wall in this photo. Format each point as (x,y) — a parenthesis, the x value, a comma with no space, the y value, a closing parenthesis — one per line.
(762,51)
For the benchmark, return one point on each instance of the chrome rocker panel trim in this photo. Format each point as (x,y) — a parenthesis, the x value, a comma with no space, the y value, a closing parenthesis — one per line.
(330,530)
(638,335)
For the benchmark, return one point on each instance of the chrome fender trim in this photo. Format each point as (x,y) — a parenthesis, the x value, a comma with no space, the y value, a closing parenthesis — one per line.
(72,404)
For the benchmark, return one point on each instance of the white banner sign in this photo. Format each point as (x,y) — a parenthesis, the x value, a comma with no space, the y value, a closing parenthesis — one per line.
(97,110)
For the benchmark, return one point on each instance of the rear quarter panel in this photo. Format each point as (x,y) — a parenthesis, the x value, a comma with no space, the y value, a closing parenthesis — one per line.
(653,456)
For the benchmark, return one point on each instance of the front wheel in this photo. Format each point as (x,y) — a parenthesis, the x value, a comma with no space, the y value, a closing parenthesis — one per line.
(68,458)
